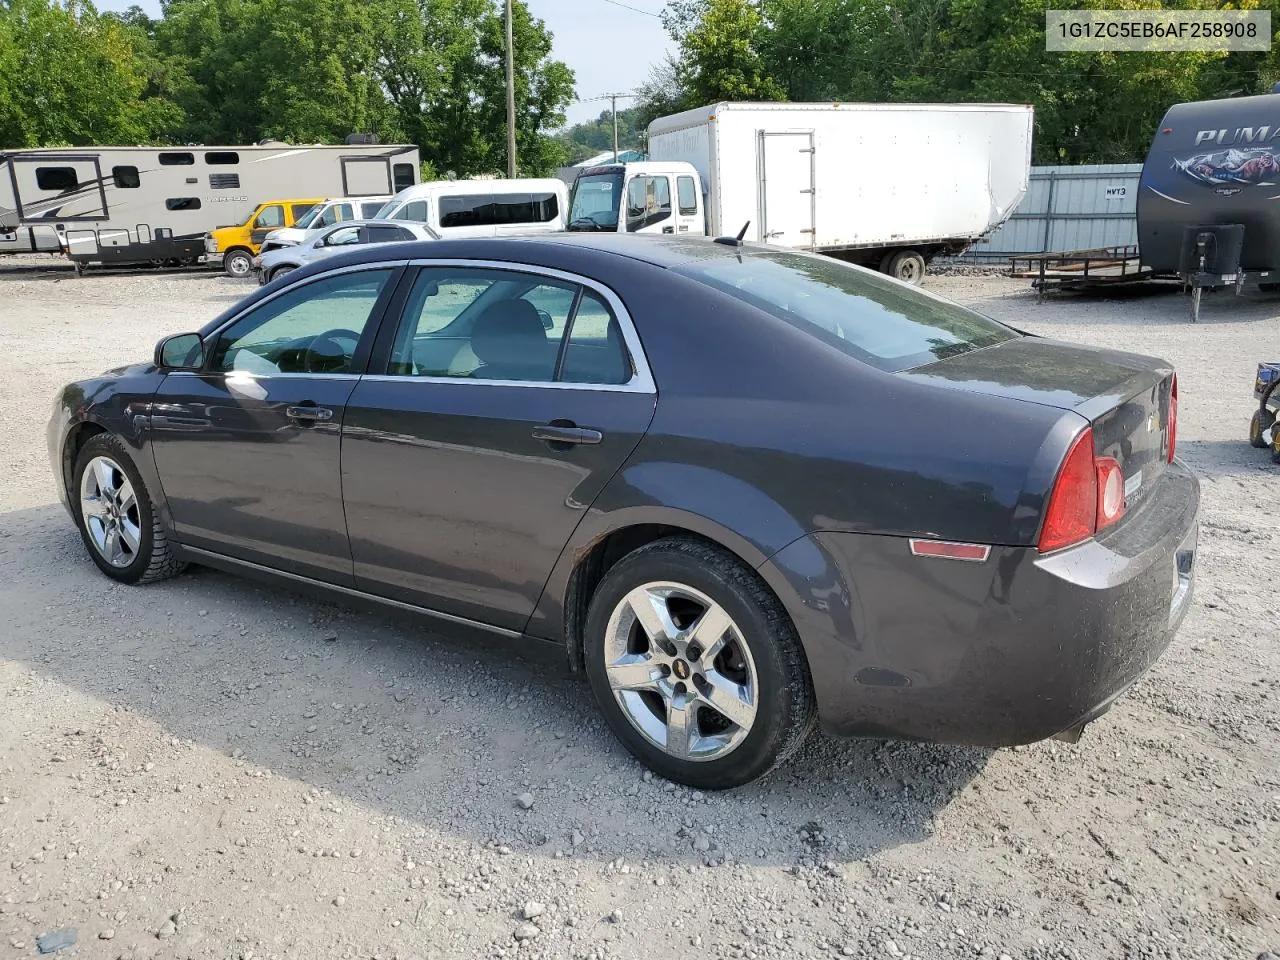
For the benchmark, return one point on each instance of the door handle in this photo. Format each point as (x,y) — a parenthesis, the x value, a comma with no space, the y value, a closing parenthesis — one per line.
(554,433)
(306,412)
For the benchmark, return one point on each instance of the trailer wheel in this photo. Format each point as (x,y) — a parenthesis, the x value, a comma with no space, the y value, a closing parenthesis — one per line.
(1257,424)
(907,266)
(238,263)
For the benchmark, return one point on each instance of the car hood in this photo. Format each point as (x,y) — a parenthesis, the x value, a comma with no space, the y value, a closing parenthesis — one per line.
(1067,376)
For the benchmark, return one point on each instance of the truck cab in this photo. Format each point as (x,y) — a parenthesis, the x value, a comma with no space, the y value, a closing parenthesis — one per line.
(644,197)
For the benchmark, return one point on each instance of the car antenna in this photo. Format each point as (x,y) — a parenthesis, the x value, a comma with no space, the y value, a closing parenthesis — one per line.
(735,241)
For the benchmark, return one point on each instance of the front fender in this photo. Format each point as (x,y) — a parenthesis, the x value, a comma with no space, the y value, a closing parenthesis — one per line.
(118,402)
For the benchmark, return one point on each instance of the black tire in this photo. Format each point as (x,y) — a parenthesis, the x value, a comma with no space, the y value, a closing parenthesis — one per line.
(1275,447)
(907,266)
(154,559)
(1268,287)
(785,704)
(279,272)
(238,264)
(1258,423)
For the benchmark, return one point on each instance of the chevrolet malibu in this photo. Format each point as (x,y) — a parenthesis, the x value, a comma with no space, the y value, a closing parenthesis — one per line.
(745,488)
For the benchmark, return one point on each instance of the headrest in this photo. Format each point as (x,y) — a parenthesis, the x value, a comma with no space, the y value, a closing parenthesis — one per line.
(509,331)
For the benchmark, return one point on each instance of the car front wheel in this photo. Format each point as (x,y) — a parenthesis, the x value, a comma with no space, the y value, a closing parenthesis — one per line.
(116,518)
(238,264)
(696,666)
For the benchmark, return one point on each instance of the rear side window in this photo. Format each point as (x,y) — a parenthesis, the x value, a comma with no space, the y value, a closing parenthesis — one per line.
(384,233)
(463,210)
(126,178)
(687,194)
(864,315)
(56,178)
(177,159)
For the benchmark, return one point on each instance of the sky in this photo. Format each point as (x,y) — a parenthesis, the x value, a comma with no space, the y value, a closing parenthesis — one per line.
(608,45)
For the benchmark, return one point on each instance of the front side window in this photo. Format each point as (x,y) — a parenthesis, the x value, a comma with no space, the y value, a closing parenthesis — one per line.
(862,314)
(314,328)
(504,325)
(57,179)
(342,237)
(648,202)
(594,205)
(272,216)
(415,210)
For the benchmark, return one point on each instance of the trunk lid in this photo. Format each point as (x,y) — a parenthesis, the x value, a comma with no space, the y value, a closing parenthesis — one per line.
(1124,396)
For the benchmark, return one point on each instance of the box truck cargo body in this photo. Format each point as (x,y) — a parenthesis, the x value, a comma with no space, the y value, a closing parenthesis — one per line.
(885,185)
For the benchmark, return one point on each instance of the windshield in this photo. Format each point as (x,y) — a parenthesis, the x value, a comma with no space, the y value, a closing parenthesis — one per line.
(309,217)
(595,201)
(871,318)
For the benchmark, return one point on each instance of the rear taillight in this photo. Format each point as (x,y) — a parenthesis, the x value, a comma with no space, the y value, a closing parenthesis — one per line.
(1087,496)
(1173,417)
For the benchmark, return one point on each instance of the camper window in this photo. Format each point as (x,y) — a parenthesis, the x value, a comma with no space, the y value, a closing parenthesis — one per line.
(182,203)
(222,156)
(402,173)
(56,178)
(126,178)
(177,159)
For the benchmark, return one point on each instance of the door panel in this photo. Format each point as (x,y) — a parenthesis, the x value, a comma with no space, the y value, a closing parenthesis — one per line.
(248,451)
(786,188)
(245,478)
(453,504)
(268,219)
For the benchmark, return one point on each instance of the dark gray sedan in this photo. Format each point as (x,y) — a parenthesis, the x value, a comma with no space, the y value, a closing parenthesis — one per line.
(745,488)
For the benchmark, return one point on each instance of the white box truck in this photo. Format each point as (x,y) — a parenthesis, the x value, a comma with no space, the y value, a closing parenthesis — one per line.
(885,185)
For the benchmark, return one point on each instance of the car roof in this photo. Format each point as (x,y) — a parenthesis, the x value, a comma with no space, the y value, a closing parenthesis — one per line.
(659,251)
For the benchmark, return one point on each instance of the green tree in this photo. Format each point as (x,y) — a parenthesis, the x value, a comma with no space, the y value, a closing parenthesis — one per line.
(76,77)
(721,55)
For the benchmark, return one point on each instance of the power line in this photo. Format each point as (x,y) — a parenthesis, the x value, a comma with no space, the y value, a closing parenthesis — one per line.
(627,6)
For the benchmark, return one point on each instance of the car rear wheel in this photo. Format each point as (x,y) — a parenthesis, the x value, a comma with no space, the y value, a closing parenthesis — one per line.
(115,515)
(696,666)
(237,263)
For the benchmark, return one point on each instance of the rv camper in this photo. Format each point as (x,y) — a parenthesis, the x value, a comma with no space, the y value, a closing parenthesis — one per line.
(155,205)
(1215,163)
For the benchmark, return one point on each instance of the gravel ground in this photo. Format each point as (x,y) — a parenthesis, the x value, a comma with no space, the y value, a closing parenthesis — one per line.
(208,768)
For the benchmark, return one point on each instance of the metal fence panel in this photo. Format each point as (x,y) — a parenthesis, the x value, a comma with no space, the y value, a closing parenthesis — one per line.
(1068,208)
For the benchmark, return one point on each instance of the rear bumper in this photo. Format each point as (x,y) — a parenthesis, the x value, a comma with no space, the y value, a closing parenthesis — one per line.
(1013,650)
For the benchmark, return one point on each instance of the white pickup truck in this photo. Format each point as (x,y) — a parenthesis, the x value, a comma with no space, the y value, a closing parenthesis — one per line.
(888,186)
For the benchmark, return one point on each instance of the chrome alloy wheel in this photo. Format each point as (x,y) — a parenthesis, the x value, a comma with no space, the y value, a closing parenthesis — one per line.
(109,509)
(681,671)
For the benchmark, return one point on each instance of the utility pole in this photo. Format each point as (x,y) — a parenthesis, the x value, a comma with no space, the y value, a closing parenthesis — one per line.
(511,103)
(613,98)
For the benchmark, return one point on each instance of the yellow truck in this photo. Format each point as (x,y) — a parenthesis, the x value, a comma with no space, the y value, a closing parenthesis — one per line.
(240,243)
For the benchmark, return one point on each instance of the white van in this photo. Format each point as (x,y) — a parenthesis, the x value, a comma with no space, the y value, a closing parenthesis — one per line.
(324,215)
(483,208)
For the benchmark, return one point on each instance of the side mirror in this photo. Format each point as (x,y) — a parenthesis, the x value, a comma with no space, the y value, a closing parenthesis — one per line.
(182,351)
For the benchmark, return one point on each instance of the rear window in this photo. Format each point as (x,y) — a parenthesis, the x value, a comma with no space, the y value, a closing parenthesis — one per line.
(869,317)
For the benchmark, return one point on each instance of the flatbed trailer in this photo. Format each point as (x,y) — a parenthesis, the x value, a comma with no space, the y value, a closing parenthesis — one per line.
(1081,269)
